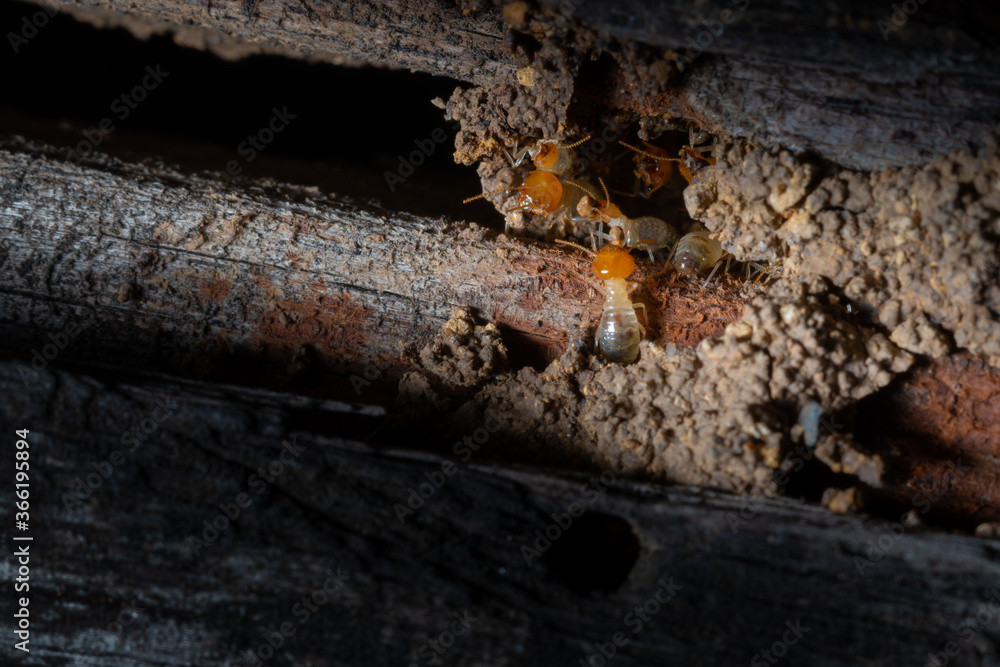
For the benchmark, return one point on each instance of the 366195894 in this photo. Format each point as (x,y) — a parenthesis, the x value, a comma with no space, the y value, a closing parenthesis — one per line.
(21,553)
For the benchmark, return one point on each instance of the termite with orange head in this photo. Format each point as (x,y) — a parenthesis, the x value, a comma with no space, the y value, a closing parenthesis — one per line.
(647,232)
(541,193)
(693,164)
(548,155)
(653,166)
(691,158)
(619,331)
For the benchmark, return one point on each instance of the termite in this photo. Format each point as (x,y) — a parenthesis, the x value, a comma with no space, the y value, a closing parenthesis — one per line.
(550,156)
(693,163)
(653,166)
(619,331)
(541,192)
(647,233)
(697,252)
(691,157)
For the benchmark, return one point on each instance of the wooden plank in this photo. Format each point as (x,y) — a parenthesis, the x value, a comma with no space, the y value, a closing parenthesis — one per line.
(858,594)
(186,275)
(851,81)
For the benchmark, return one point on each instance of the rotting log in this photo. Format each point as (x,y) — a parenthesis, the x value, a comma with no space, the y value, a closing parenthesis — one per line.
(283,286)
(746,573)
(847,80)
(433,36)
(866,85)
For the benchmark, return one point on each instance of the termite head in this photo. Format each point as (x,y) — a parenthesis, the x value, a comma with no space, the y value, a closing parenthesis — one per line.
(588,207)
(593,208)
(653,166)
(544,155)
(614,260)
(557,158)
(693,164)
(540,192)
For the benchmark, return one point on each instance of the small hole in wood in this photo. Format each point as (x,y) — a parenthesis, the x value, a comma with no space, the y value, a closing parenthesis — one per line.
(596,553)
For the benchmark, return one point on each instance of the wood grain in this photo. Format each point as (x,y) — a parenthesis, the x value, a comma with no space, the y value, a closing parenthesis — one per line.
(278,285)
(335,506)
(847,79)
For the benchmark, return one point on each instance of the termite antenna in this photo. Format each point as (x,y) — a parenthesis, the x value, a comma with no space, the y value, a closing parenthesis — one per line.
(607,195)
(584,188)
(582,141)
(487,194)
(577,246)
(650,155)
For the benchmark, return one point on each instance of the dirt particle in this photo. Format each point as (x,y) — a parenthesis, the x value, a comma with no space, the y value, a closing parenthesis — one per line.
(844,501)
(463,354)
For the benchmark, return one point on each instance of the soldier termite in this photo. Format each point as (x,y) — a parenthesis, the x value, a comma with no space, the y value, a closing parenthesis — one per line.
(691,157)
(619,331)
(647,233)
(549,156)
(653,166)
(541,193)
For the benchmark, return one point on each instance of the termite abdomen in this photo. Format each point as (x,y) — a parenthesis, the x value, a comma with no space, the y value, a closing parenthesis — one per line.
(696,252)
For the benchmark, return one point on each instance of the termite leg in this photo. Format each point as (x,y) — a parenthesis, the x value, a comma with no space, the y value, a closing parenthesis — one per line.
(514,162)
(709,279)
(599,285)
(645,316)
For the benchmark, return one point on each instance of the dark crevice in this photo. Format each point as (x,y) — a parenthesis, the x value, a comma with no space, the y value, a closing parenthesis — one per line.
(349,128)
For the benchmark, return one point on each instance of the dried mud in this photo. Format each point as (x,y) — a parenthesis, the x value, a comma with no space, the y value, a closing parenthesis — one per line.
(915,249)
(719,415)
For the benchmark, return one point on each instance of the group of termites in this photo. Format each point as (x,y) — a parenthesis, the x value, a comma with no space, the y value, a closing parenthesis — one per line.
(548,192)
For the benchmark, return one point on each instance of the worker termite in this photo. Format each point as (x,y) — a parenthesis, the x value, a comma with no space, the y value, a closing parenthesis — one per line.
(646,233)
(698,252)
(619,331)
(549,156)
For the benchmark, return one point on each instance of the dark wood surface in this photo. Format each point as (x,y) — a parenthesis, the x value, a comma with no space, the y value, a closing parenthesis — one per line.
(845,79)
(335,507)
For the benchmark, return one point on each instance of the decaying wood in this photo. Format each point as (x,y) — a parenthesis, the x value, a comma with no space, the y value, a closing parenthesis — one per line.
(850,80)
(182,274)
(423,36)
(860,591)
(866,85)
